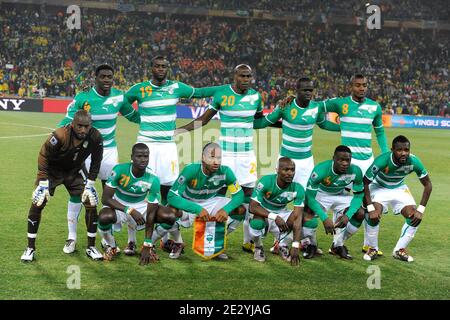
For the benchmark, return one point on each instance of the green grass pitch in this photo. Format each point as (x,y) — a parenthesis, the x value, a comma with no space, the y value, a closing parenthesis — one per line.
(22,134)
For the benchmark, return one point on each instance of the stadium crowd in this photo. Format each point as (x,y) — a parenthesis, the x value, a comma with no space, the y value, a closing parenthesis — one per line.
(39,56)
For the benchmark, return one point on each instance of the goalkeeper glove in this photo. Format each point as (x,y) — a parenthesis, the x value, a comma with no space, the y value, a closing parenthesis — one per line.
(41,193)
(90,193)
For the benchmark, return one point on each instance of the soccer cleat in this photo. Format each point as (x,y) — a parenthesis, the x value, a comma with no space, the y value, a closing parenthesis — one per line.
(310,251)
(259,254)
(284,253)
(106,245)
(177,250)
(402,255)
(341,251)
(371,254)
(130,249)
(222,256)
(275,249)
(69,247)
(110,253)
(366,248)
(93,253)
(28,255)
(249,247)
(166,246)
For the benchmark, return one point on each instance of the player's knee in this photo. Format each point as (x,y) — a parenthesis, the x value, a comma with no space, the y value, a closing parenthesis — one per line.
(105,218)
(359,215)
(257,224)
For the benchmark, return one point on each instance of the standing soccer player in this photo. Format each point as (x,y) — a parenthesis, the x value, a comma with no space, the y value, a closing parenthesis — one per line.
(238,106)
(196,193)
(131,197)
(325,191)
(358,114)
(268,207)
(61,160)
(384,186)
(104,103)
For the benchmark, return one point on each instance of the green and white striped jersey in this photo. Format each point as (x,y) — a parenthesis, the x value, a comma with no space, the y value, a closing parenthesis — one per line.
(389,175)
(104,111)
(157,107)
(356,120)
(273,198)
(324,178)
(194,185)
(237,112)
(298,125)
(131,189)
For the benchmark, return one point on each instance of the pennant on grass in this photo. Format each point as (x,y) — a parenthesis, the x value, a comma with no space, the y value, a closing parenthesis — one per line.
(209,238)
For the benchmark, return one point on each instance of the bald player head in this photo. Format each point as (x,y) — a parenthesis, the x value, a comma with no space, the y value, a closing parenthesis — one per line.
(211,157)
(285,170)
(81,124)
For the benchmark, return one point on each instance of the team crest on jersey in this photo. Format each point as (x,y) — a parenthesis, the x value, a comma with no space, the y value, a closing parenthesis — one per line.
(194,183)
(310,113)
(53,141)
(268,194)
(327,181)
(406,169)
(143,185)
(367,107)
(113,100)
(289,196)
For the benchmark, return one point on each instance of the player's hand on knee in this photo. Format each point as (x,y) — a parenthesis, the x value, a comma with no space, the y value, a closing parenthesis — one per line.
(90,194)
(204,215)
(221,216)
(341,221)
(295,257)
(282,225)
(329,227)
(136,215)
(41,193)
(416,218)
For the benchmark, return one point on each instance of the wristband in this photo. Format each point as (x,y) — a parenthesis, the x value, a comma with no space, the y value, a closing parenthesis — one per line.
(148,243)
(272,216)
(421,208)
(370,208)
(296,244)
(127,210)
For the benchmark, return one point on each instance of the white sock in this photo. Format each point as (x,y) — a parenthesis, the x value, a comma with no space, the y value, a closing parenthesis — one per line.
(310,233)
(246,225)
(338,238)
(406,236)
(131,234)
(287,239)
(349,231)
(73,211)
(175,234)
(109,238)
(256,236)
(366,237)
(159,233)
(372,236)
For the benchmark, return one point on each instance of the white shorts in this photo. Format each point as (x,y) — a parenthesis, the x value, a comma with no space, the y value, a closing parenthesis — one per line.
(337,203)
(397,198)
(243,166)
(123,218)
(303,170)
(110,159)
(363,164)
(212,205)
(163,161)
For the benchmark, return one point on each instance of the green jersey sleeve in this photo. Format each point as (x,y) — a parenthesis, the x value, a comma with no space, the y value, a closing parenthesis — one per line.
(206,91)
(311,192)
(322,121)
(269,119)
(185,90)
(300,196)
(153,195)
(419,168)
(358,185)
(175,196)
(113,179)
(237,194)
(260,190)
(132,94)
(379,130)
(380,163)
(127,110)
(332,105)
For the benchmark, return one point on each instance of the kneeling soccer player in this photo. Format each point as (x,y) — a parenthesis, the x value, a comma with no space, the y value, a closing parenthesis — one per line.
(384,186)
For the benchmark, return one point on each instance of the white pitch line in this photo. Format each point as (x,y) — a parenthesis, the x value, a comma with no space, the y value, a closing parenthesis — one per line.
(25,125)
(28,136)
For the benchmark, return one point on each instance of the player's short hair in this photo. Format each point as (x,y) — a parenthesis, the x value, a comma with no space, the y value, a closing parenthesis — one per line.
(285,160)
(80,114)
(209,146)
(103,67)
(242,66)
(140,146)
(342,148)
(157,58)
(303,80)
(400,139)
(357,76)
